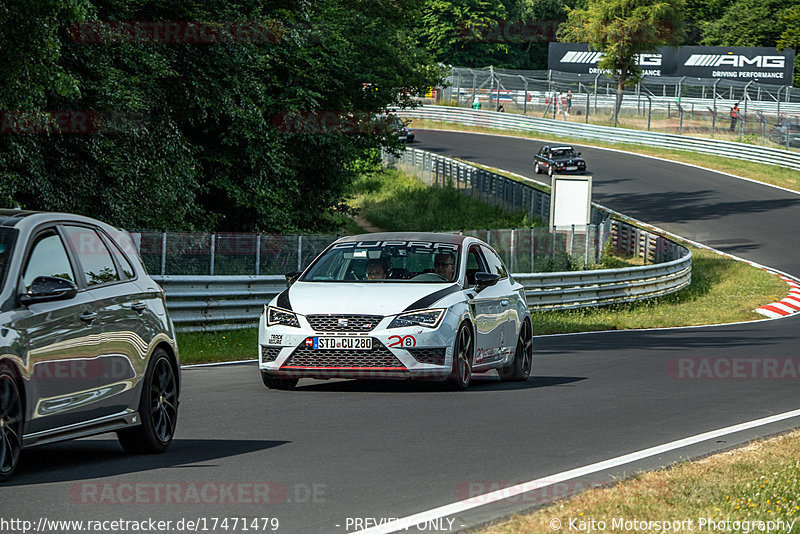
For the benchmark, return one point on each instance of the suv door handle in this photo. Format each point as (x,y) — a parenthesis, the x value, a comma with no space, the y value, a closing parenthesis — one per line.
(88,317)
(138,306)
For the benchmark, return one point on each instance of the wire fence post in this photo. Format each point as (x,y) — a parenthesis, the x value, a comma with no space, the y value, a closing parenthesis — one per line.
(533,246)
(299,253)
(163,253)
(213,253)
(258,254)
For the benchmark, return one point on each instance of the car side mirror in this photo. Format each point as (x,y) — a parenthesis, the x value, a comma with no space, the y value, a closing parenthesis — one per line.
(484,280)
(291,278)
(579,153)
(47,288)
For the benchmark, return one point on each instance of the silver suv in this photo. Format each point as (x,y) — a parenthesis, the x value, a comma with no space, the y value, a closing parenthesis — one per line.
(86,345)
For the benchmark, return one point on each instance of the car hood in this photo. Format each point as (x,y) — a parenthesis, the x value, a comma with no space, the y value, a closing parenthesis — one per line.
(569,160)
(364,298)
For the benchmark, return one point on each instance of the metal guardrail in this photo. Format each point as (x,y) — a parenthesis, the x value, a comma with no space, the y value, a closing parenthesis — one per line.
(556,128)
(198,303)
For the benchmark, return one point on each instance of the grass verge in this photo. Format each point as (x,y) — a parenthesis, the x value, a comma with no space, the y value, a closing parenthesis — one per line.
(722,291)
(228,346)
(759,482)
(769,174)
(394,201)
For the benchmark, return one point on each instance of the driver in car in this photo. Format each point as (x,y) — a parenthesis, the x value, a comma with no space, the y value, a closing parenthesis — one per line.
(376,269)
(445,266)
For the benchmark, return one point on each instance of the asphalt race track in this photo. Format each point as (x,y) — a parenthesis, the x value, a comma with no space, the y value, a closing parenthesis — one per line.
(332,455)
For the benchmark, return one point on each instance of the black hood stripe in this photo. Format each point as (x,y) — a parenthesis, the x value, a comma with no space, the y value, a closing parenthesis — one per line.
(283,300)
(425,302)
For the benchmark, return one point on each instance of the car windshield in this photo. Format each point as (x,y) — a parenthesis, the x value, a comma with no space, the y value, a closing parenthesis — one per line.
(386,261)
(562,153)
(7,239)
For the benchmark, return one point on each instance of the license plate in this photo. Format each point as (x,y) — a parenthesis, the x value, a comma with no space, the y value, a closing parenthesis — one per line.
(343,343)
(572,168)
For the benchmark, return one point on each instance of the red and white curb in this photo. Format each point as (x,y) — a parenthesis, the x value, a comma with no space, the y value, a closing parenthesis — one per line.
(787,306)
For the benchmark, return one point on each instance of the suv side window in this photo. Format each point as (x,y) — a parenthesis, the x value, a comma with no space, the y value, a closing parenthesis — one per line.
(122,260)
(495,264)
(48,258)
(93,255)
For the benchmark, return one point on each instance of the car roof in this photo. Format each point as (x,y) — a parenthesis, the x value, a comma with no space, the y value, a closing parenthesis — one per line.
(455,239)
(26,218)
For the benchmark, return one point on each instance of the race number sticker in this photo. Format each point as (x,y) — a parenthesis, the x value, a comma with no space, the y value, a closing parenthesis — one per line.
(402,341)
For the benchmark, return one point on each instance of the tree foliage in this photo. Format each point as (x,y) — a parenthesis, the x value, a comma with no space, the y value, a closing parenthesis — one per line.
(790,37)
(622,29)
(190,135)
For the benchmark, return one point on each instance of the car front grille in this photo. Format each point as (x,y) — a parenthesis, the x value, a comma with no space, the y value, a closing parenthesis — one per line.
(378,357)
(344,323)
(269,354)
(432,356)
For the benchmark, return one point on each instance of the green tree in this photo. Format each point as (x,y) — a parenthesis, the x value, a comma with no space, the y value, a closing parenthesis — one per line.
(748,23)
(189,134)
(455,31)
(791,37)
(622,29)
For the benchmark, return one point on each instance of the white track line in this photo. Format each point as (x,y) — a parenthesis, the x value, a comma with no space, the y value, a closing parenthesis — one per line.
(506,493)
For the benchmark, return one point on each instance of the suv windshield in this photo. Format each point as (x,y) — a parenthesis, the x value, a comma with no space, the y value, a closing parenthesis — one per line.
(7,239)
(386,261)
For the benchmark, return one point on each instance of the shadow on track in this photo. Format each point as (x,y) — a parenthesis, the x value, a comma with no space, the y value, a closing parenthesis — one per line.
(93,458)
(480,383)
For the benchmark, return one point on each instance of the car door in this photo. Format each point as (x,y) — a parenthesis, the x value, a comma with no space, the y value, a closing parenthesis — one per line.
(487,309)
(509,302)
(121,307)
(58,338)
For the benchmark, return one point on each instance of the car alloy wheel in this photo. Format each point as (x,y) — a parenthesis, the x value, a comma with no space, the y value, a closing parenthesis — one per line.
(462,358)
(520,368)
(537,169)
(158,409)
(10,424)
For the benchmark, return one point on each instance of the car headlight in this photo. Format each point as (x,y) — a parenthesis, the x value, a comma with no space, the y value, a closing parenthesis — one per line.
(282,317)
(427,318)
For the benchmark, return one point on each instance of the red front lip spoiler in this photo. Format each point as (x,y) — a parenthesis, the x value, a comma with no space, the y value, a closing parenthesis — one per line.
(379,373)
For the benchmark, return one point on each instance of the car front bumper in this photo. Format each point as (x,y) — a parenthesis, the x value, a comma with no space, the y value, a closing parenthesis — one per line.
(397,353)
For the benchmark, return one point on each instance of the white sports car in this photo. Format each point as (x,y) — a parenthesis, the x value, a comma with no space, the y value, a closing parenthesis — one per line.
(398,305)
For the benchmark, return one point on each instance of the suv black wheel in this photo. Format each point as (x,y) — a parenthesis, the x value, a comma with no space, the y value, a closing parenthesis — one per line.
(158,409)
(10,423)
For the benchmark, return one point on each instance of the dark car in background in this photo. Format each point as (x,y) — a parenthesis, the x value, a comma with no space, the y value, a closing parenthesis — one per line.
(558,159)
(404,133)
(86,345)
(783,128)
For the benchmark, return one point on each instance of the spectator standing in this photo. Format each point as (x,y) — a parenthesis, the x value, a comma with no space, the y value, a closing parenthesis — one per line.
(569,101)
(476,104)
(734,116)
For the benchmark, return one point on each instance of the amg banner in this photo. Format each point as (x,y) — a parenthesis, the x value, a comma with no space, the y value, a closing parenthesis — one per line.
(763,65)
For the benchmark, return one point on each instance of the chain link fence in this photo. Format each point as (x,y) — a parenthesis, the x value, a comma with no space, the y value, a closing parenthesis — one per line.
(768,114)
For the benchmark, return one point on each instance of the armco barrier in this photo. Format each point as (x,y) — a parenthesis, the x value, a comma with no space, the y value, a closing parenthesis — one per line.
(556,129)
(199,303)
